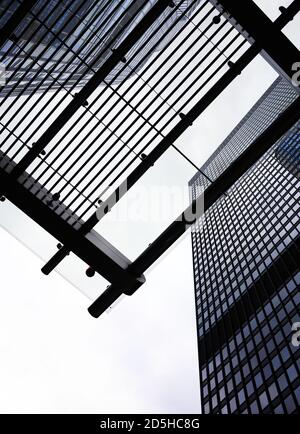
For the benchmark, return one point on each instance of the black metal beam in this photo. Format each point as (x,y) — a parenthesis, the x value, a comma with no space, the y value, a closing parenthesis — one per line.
(155,154)
(250,20)
(82,96)
(183,125)
(287,14)
(15,19)
(237,169)
(93,249)
(189,118)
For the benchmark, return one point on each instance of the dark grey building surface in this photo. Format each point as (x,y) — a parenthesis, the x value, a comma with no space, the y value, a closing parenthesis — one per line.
(246,254)
(81,35)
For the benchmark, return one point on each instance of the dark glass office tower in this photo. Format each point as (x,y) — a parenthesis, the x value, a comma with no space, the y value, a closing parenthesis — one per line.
(246,254)
(62,43)
(288,153)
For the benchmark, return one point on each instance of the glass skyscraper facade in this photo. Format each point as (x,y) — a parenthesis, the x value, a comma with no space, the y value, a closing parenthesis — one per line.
(246,253)
(65,42)
(288,153)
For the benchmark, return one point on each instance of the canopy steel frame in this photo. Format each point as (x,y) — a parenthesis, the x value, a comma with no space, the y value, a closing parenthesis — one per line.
(185,123)
(228,178)
(126,276)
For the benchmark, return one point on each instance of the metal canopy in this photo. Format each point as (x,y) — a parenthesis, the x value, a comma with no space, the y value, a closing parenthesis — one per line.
(237,169)
(66,179)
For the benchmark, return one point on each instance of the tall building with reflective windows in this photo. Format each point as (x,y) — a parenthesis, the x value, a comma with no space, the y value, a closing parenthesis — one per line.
(246,254)
(288,153)
(62,43)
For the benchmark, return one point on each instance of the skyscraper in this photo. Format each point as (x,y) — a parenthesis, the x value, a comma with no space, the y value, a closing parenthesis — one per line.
(246,254)
(65,42)
(288,153)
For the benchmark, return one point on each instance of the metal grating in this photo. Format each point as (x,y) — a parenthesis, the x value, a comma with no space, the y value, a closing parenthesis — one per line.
(97,91)
(181,56)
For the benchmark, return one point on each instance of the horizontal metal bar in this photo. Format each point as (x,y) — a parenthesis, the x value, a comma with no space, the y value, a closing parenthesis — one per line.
(15,19)
(55,260)
(237,169)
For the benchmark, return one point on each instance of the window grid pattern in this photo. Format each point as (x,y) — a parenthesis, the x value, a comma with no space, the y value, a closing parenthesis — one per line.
(257,120)
(238,240)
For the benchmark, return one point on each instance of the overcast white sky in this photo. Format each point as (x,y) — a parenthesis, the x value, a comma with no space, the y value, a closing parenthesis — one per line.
(142,357)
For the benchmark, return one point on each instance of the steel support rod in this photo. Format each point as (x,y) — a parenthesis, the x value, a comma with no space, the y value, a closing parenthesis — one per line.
(237,169)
